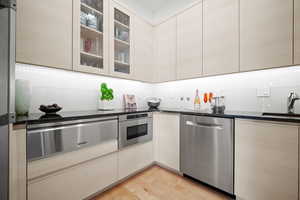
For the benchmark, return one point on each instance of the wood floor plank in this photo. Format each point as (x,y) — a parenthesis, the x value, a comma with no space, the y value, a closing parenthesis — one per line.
(159,184)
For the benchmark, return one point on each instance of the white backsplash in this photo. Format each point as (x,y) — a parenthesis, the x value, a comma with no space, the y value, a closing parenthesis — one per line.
(77,91)
(239,89)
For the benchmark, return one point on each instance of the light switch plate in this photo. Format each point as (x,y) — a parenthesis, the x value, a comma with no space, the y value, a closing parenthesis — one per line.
(263,92)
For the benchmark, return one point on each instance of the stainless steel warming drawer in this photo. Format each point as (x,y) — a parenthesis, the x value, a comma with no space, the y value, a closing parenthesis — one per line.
(45,140)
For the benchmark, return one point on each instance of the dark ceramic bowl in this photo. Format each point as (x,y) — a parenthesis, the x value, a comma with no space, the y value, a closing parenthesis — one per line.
(49,109)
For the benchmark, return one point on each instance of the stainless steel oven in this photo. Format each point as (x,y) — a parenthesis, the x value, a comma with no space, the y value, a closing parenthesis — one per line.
(135,128)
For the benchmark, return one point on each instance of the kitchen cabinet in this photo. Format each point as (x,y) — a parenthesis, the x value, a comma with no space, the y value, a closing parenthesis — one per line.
(39,168)
(90,36)
(17,162)
(121,41)
(143,58)
(44,33)
(135,158)
(189,43)
(84,179)
(266,34)
(166,139)
(220,36)
(165,50)
(266,160)
(297,32)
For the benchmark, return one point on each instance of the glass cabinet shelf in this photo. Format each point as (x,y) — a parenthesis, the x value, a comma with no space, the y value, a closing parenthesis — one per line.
(91,55)
(88,29)
(120,62)
(87,7)
(120,24)
(96,5)
(121,42)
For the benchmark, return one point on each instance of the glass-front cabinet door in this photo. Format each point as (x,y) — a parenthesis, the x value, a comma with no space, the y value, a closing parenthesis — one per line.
(90,36)
(121,41)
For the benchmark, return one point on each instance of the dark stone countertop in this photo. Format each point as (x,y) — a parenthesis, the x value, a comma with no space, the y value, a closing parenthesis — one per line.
(66,116)
(37,118)
(235,115)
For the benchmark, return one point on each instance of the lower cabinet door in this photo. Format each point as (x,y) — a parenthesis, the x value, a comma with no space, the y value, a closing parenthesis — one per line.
(17,162)
(166,139)
(76,183)
(266,161)
(135,158)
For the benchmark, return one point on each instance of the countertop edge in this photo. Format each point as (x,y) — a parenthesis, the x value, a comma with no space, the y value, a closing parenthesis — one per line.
(77,117)
(237,115)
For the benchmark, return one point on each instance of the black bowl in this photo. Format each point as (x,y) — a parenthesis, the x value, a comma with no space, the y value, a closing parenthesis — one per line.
(50,110)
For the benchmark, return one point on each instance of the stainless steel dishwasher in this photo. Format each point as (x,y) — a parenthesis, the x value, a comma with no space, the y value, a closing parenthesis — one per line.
(50,139)
(206,150)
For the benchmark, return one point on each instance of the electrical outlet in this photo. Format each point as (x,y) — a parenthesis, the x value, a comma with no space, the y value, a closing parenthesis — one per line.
(263,92)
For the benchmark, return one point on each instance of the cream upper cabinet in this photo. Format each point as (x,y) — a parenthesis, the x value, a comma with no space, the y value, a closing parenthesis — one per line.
(297,32)
(44,33)
(121,41)
(143,58)
(220,36)
(166,139)
(189,43)
(266,160)
(90,36)
(266,34)
(165,50)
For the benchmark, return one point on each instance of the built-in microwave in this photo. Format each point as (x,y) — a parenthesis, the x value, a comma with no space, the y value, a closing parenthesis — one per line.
(135,128)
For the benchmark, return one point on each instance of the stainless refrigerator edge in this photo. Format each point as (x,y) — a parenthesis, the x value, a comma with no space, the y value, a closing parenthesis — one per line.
(7,88)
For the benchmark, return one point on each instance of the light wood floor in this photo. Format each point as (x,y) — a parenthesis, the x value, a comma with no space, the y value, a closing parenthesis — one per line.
(159,184)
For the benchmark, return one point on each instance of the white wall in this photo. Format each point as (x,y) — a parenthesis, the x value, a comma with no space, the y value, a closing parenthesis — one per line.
(76,91)
(240,90)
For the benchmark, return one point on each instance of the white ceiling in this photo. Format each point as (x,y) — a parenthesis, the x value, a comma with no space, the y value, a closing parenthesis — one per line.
(155,10)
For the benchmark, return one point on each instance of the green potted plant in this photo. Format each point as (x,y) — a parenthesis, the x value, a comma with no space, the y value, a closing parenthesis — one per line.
(106,101)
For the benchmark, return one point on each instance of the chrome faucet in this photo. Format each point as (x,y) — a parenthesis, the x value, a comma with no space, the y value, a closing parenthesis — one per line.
(291,102)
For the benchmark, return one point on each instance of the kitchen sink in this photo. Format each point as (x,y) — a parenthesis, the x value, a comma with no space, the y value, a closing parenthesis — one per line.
(281,114)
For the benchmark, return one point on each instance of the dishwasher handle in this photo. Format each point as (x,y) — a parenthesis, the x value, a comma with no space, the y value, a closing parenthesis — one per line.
(204,125)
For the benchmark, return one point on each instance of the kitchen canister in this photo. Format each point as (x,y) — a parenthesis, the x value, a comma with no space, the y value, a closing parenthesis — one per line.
(23,96)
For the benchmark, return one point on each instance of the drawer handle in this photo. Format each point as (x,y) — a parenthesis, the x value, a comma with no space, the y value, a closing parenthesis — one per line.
(82,143)
(60,128)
